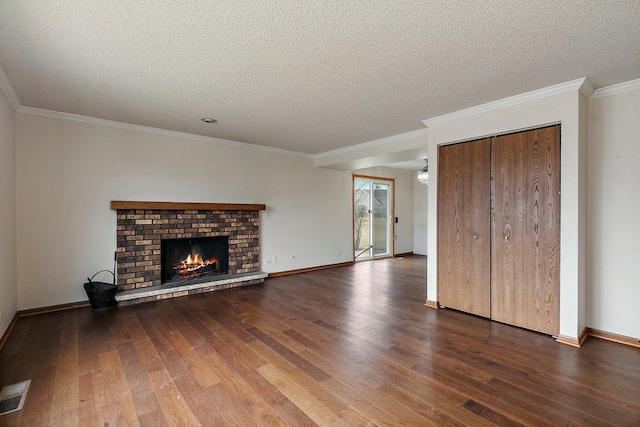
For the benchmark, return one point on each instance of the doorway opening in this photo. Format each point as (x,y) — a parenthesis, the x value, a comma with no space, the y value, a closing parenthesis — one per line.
(373,207)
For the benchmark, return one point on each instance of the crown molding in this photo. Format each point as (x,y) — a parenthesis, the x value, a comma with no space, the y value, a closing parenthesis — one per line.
(511,101)
(7,88)
(374,143)
(616,89)
(586,88)
(155,131)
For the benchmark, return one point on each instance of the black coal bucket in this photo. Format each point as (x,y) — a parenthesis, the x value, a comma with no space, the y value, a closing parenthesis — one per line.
(102,296)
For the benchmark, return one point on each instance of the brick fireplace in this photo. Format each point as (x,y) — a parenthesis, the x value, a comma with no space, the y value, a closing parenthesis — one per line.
(142,227)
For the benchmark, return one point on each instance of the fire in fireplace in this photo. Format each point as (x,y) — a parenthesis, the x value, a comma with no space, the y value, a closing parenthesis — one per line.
(194,259)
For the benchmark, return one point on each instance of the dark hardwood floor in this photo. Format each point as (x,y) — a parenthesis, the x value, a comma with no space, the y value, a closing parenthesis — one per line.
(346,346)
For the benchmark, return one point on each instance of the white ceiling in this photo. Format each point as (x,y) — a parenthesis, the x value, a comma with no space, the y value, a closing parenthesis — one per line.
(309,76)
(408,166)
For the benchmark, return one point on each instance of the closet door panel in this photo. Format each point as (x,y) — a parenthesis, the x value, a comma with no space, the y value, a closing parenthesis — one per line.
(525,216)
(464,232)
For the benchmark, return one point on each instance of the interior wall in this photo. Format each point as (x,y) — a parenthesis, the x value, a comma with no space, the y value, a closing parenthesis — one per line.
(8,274)
(561,108)
(420,204)
(613,204)
(67,173)
(403,205)
(404,212)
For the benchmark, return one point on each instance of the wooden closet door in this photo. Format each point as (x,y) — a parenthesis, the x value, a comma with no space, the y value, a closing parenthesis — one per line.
(464,227)
(525,254)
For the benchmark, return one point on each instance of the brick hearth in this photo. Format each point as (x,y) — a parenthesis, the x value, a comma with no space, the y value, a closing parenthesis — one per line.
(140,231)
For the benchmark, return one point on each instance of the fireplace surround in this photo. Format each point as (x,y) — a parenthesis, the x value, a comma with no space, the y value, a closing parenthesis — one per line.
(143,228)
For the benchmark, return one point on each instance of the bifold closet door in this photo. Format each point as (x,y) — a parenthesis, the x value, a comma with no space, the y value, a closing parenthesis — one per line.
(464,227)
(525,251)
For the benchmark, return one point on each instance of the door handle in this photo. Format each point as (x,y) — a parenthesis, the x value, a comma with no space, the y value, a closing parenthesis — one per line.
(506,237)
(475,236)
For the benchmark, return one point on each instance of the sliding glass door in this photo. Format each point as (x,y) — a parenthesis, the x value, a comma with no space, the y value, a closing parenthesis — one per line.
(372,217)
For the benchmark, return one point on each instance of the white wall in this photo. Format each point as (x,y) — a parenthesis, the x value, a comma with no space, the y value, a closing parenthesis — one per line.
(613,209)
(68,172)
(564,108)
(403,205)
(8,274)
(420,204)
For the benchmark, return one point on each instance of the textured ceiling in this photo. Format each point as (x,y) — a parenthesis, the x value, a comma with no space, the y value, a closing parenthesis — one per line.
(308,76)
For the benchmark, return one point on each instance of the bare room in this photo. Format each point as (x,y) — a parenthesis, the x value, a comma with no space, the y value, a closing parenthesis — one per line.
(319,213)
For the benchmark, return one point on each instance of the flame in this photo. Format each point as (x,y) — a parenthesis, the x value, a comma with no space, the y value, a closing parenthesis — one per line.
(195,262)
(188,268)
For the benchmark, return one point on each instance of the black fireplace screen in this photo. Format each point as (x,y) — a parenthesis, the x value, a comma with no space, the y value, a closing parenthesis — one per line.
(194,259)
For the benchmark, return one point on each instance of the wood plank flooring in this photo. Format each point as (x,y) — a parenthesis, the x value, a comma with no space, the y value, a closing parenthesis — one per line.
(348,346)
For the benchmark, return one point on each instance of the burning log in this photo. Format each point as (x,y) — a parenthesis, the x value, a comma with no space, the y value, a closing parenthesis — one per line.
(193,267)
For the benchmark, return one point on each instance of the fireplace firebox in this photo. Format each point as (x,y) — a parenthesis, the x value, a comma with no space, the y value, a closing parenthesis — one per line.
(194,259)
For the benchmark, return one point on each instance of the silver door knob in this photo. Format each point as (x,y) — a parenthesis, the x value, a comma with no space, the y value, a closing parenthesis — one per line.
(506,237)
(475,236)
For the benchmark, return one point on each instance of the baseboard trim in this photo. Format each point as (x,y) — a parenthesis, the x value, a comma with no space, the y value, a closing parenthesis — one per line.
(432,304)
(574,342)
(52,308)
(308,269)
(609,336)
(403,254)
(583,336)
(5,336)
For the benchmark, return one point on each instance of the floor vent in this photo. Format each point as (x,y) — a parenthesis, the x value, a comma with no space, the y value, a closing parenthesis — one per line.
(12,397)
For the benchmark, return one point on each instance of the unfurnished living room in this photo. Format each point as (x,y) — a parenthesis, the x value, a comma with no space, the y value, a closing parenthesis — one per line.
(319,213)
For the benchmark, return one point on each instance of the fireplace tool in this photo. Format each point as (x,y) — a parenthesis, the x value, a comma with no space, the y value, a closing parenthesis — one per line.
(102,295)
